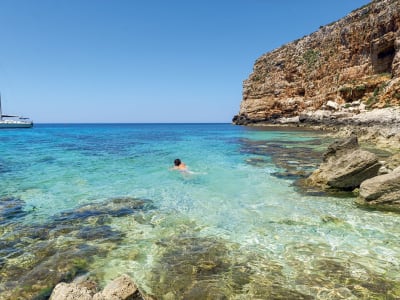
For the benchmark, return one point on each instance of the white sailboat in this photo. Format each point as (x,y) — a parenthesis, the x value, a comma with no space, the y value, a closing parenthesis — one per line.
(9,121)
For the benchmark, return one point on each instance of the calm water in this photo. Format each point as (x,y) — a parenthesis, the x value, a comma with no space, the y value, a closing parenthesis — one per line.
(101,200)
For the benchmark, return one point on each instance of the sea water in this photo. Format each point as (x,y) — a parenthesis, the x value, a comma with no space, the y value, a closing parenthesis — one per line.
(236,226)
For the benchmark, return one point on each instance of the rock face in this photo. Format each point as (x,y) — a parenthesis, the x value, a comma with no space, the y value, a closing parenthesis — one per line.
(381,190)
(345,166)
(353,60)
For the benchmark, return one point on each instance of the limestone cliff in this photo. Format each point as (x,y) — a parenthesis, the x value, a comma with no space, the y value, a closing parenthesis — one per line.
(356,59)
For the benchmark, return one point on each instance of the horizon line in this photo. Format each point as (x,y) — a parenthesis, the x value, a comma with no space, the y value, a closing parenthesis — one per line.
(42,123)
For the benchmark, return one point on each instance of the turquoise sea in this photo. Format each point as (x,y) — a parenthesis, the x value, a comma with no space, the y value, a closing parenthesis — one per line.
(100,200)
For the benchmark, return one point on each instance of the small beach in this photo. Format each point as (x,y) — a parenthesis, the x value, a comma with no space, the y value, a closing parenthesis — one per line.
(100,200)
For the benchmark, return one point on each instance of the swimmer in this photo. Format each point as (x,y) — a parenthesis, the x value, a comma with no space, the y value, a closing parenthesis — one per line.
(179,165)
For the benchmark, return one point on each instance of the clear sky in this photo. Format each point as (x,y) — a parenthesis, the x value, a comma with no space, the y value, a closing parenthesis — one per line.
(143,60)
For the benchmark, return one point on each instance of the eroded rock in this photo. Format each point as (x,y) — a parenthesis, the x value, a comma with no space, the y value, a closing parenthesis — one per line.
(355,59)
(345,166)
(121,288)
(71,291)
(381,190)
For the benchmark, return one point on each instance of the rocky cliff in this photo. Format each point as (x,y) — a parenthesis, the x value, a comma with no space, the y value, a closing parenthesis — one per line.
(353,60)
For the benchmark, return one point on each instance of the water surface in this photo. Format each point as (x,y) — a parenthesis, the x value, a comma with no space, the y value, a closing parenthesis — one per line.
(101,199)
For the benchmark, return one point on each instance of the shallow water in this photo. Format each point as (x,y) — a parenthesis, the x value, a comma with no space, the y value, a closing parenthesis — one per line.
(102,200)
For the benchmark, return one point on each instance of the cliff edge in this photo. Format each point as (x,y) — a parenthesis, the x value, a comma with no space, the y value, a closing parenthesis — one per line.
(350,66)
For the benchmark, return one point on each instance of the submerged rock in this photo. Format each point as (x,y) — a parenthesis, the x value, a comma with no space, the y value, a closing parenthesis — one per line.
(194,267)
(316,272)
(35,258)
(11,208)
(115,207)
(99,232)
(294,161)
(190,262)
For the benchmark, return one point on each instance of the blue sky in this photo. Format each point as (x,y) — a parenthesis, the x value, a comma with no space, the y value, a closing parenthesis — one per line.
(143,61)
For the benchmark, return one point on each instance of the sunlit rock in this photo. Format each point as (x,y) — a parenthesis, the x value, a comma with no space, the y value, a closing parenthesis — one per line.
(382,190)
(121,288)
(355,59)
(71,291)
(345,166)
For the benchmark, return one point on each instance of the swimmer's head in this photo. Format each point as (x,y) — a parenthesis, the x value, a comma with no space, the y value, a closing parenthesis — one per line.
(177,162)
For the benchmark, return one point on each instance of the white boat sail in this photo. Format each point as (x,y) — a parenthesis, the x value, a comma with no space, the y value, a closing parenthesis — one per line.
(9,121)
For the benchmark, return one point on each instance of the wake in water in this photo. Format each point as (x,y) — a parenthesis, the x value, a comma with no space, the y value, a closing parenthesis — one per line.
(183,168)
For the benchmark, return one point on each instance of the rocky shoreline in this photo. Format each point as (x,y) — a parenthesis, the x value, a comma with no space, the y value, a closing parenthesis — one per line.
(347,165)
(332,74)
(380,127)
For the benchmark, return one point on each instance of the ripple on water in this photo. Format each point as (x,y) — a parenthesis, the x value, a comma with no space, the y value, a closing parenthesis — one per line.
(235,230)
(35,258)
(11,209)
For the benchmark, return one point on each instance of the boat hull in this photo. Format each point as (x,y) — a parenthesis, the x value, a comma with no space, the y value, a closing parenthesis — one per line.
(15,125)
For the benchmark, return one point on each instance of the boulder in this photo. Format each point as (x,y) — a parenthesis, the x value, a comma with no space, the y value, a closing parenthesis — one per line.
(351,169)
(394,161)
(121,288)
(345,166)
(332,105)
(383,189)
(315,117)
(339,147)
(71,291)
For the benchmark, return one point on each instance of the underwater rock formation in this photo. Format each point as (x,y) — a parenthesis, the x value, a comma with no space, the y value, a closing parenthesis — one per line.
(11,208)
(35,258)
(294,160)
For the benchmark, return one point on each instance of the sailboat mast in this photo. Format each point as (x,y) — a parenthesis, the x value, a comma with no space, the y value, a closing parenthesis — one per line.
(1,113)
